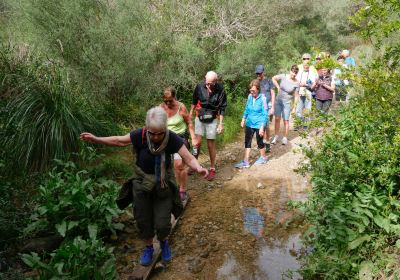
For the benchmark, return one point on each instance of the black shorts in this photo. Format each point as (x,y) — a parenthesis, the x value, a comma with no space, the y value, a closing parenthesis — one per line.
(249,132)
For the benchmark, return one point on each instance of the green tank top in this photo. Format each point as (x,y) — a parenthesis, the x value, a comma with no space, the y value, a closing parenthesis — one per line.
(176,123)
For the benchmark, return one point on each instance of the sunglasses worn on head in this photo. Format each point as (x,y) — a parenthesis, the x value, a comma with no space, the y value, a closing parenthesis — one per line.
(155,133)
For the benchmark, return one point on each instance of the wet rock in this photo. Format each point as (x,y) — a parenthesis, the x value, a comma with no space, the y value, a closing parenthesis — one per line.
(293,253)
(195,265)
(43,244)
(260,186)
(129,229)
(205,253)
(202,242)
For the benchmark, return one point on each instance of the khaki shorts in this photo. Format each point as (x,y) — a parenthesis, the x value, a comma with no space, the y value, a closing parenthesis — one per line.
(206,129)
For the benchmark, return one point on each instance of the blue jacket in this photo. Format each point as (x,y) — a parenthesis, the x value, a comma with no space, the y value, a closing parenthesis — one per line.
(256,111)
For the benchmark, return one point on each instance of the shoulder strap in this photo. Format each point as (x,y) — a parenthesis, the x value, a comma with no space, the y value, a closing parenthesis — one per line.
(143,135)
(264,100)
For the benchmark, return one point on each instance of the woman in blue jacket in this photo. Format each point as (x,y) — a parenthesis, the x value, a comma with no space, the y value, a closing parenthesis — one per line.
(255,117)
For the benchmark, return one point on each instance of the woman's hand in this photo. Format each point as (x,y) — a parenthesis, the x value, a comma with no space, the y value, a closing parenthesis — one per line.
(242,123)
(220,128)
(88,137)
(261,131)
(202,171)
(194,142)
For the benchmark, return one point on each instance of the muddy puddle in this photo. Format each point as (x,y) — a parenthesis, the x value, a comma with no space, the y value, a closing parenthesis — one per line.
(276,249)
(276,260)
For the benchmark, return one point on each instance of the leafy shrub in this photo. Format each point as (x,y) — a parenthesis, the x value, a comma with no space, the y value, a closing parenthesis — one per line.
(354,208)
(76,259)
(69,202)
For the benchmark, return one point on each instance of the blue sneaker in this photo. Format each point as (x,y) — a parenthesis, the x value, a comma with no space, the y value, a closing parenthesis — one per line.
(147,256)
(242,164)
(261,160)
(166,254)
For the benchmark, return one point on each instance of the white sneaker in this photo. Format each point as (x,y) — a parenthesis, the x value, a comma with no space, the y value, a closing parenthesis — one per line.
(273,142)
(284,141)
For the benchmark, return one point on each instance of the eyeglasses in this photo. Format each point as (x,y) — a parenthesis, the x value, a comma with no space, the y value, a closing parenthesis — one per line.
(155,133)
(306,58)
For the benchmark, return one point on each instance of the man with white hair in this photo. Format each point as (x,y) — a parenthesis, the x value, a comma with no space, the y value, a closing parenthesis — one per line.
(209,100)
(348,60)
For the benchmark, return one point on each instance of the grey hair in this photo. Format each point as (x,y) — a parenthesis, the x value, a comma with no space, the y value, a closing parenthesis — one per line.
(211,75)
(306,55)
(156,118)
(346,52)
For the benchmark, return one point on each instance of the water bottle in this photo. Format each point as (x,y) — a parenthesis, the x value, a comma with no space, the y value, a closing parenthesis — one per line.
(195,151)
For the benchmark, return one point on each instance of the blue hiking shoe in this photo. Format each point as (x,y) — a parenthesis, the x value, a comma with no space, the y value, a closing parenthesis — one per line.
(261,160)
(242,164)
(166,254)
(147,256)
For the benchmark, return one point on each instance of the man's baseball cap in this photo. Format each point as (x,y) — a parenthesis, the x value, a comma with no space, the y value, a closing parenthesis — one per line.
(259,69)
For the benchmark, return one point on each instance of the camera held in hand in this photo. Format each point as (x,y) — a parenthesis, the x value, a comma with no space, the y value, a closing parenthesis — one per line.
(309,85)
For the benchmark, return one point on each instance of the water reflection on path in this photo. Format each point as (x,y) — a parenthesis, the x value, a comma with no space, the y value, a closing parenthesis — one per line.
(275,253)
(253,221)
(276,259)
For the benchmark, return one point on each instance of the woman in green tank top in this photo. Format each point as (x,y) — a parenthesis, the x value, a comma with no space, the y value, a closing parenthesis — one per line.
(180,122)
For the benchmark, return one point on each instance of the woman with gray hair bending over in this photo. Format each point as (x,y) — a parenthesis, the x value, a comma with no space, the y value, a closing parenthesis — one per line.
(154,191)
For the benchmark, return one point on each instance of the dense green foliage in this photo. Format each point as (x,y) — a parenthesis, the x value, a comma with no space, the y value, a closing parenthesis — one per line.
(68,66)
(354,208)
(44,113)
(77,259)
(80,207)
(69,201)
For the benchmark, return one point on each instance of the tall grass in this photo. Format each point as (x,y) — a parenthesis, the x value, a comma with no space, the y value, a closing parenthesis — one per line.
(45,114)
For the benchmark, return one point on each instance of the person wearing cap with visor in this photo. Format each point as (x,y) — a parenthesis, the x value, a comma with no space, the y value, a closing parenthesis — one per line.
(266,89)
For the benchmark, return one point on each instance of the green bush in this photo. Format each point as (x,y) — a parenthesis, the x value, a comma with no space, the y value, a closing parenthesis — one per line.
(69,202)
(76,259)
(354,208)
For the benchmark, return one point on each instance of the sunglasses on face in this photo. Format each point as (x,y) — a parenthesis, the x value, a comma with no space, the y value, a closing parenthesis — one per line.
(306,58)
(155,133)
(168,101)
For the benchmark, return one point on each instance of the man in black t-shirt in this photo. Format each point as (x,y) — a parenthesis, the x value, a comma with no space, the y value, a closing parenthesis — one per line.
(209,100)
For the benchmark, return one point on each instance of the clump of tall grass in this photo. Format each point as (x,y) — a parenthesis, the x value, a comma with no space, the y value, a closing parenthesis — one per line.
(45,113)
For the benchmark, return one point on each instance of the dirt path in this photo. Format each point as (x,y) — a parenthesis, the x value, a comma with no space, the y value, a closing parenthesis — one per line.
(238,226)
